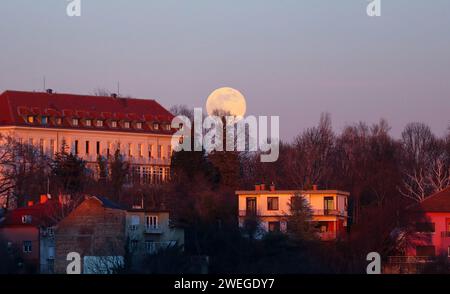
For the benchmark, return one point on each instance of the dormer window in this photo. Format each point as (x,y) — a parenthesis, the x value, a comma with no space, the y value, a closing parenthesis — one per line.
(30,119)
(58,121)
(155,126)
(167,127)
(114,124)
(75,121)
(99,123)
(26,219)
(126,125)
(138,125)
(88,122)
(44,120)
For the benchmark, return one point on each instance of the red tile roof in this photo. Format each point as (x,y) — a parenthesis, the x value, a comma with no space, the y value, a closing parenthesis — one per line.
(41,214)
(438,202)
(15,106)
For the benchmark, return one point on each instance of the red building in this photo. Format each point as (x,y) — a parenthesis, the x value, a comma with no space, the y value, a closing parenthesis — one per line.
(29,232)
(433,229)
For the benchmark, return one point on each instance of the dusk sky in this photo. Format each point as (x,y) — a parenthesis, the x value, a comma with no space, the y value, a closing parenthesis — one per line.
(291,58)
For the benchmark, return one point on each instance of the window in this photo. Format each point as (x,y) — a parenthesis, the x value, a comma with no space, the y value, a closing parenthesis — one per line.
(30,141)
(87,147)
(44,120)
(150,151)
(155,126)
(30,119)
(27,246)
(328,204)
(272,203)
(251,206)
(50,232)
(99,123)
(26,219)
(159,151)
(138,125)
(157,175)
(114,124)
(168,127)
(425,227)
(134,222)
(41,146)
(425,251)
(169,151)
(146,175)
(448,251)
(151,221)
(150,246)
(75,121)
(52,147)
(51,252)
(126,125)
(98,148)
(134,245)
(274,226)
(130,150)
(76,147)
(140,150)
(58,121)
(88,122)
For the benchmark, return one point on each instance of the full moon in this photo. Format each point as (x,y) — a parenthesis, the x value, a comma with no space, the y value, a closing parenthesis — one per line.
(228,100)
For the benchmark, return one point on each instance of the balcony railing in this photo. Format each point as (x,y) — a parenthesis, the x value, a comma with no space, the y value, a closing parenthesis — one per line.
(153,230)
(317,212)
(249,213)
(132,159)
(329,212)
(326,236)
(445,234)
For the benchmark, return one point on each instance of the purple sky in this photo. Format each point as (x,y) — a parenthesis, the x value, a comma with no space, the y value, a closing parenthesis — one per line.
(292,58)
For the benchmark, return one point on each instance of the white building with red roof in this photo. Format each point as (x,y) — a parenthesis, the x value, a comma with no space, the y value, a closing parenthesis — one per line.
(91,126)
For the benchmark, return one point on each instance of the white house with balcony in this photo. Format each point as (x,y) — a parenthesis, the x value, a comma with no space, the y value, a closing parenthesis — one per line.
(272,208)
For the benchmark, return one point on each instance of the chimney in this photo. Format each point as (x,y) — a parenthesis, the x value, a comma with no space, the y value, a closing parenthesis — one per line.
(30,203)
(263,187)
(272,187)
(43,199)
(49,91)
(257,187)
(315,187)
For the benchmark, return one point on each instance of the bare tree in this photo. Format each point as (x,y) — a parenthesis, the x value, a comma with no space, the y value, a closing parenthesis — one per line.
(415,186)
(439,177)
(312,153)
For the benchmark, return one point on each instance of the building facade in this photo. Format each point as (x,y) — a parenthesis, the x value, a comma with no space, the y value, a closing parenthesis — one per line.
(432,227)
(149,231)
(95,230)
(92,126)
(272,207)
(29,232)
(429,239)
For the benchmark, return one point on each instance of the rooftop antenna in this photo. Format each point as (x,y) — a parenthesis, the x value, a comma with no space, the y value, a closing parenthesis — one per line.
(118,88)
(44,83)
